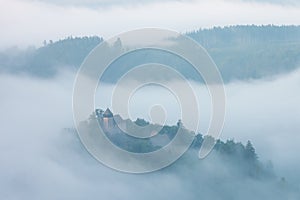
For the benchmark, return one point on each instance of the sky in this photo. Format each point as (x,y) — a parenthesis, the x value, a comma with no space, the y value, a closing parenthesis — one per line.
(30,22)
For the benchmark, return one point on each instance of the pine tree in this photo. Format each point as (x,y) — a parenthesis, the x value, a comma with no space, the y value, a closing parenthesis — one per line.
(250,153)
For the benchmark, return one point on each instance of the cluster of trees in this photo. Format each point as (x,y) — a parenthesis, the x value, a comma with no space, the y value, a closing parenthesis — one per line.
(69,52)
(144,145)
(240,52)
(47,60)
(230,147)
(141,122)
(232,36)
(239,154)
(251,52)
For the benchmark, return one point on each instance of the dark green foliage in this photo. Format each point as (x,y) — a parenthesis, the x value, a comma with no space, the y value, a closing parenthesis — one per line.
(47,60)
(197,141)
(237,154)
(141,122)
(233,36)
(170,131)
(69,52)
(251,52)
(245,156)
(240,52)
(231,153)
(250,152)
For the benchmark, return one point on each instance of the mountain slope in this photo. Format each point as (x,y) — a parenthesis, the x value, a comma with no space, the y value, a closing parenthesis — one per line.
(240,52)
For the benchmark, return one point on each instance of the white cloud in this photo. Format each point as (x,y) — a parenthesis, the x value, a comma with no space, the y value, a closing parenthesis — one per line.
(38,161)
(30,22)
(99,3)
(266,112)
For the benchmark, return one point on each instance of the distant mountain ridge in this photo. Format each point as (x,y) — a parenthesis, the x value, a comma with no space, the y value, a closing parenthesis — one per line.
(245,35)
(240,52)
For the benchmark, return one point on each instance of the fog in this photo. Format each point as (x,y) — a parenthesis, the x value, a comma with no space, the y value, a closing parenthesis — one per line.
(266,112)
(42,160)
(79,19)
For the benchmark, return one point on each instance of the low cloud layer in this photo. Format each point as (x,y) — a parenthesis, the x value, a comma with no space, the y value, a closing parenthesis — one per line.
(264,111)
(40,160)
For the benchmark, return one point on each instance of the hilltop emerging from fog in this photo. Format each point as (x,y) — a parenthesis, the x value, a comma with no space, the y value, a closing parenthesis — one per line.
(242,159)
(240,52)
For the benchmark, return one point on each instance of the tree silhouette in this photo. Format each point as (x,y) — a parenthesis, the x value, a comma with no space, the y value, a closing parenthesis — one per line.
(250,153)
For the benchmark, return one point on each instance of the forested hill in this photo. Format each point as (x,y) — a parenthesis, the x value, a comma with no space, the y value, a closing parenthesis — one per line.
(47,60)
(238,36)
(234,156)
(250,52)
(240,52)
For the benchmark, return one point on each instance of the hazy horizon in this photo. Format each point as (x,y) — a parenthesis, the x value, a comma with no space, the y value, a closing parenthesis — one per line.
(42,152)
(61,19)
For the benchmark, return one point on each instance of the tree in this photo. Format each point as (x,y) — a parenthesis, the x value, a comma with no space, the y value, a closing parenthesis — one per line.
(179,123)
(250,153)
(118,44)
(141,122)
